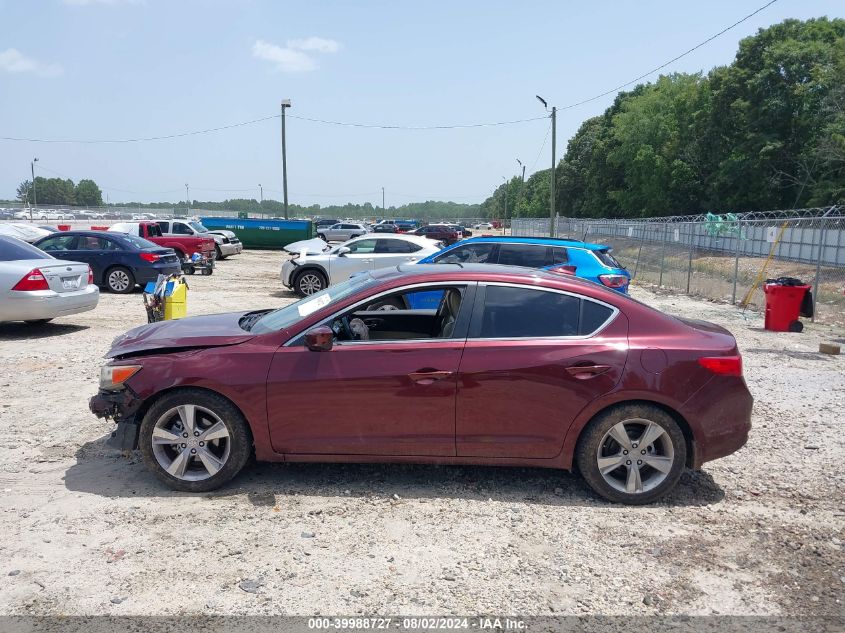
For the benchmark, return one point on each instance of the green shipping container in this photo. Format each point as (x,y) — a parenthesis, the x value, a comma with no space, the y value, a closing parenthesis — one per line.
(263,234)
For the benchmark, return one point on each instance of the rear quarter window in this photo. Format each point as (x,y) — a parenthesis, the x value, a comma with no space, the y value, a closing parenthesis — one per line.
(607,259)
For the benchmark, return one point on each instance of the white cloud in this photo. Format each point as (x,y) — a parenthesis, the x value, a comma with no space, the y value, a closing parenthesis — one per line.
(317,44)
(286,59)
(291,58)
(13,61)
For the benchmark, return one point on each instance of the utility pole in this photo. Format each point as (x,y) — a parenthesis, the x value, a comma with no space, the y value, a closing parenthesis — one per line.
(188,197)
(505,219)
(34,199)
(285,104)
(383,209)
(554,149)
(261,193)
(521,189)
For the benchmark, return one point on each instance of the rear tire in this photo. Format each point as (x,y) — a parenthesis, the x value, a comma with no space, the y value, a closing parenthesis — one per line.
(632,454)
(796,326)
(119,280)
(225,453)
(309,281)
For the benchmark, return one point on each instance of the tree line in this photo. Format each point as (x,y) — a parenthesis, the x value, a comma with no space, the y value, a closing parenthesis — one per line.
(58,191)
(765,132)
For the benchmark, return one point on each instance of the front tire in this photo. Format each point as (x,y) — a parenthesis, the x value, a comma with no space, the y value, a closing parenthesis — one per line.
(322,236)
(309,281)
(632,454)
(219,253)
(120,280)
(194,440)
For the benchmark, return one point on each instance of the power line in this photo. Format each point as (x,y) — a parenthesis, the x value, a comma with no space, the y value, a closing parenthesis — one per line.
(671,61)
(260,120)
(139,140)
(545,139)
(416,127)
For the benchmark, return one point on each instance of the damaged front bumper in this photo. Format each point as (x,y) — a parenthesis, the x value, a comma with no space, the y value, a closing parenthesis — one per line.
(122,407)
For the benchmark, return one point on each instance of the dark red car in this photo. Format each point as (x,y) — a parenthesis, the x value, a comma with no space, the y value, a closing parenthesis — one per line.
(515,367)
(446,234)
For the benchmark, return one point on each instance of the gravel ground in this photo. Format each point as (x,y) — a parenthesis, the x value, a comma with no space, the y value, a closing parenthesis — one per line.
(87,531)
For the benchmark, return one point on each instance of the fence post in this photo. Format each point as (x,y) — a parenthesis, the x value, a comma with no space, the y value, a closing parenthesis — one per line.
(819,263)
(689,264)
(736,260)
(663,254)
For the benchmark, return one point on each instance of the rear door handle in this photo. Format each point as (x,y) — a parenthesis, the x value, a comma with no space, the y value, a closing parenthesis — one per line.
(428,377)
(582,372)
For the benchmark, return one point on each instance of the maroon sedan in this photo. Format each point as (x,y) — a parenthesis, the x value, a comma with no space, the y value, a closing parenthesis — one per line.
(439,232)
(515,367)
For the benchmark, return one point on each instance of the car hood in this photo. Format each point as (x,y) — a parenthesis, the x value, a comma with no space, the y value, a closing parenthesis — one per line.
(314,246)
(213,330)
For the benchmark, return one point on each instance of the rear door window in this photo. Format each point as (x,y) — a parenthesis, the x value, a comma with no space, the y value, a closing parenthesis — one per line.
(528,255)
(559,256)
(393,246)
(514,312)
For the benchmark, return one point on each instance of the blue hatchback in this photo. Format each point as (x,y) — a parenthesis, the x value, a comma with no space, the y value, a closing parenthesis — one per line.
(588,261)
(582,259)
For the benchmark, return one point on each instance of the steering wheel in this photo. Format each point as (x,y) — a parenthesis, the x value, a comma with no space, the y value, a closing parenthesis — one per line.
(343,329)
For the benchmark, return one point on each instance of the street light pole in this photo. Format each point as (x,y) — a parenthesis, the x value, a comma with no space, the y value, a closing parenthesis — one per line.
(187,197)
(383,209)
(261,193)
(554,150)
(285,104)
(34,199)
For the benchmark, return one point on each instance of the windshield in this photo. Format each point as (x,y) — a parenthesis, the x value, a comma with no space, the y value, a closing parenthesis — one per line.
(199,228)
(295,312)
(13,249)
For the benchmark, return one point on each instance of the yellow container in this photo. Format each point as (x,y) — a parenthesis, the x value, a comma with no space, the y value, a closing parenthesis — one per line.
(176,301)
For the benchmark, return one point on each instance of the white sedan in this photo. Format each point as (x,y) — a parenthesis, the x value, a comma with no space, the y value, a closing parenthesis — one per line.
(315,265)
(35,287)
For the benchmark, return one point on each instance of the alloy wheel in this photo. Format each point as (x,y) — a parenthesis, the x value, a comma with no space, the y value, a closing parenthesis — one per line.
(191,443)
(635,456)
(310,283)
(118,280)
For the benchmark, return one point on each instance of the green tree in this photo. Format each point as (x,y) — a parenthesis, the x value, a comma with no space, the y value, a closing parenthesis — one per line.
(87,193)
(23,191)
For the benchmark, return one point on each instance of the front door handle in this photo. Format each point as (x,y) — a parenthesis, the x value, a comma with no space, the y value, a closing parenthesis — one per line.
(428,377)
(582,372)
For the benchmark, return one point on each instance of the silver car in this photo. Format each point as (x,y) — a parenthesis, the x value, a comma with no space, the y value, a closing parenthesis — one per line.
(314,265)
(35,287)
(341,232)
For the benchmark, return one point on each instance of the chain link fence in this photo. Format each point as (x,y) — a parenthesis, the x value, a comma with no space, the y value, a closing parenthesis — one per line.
(723,257)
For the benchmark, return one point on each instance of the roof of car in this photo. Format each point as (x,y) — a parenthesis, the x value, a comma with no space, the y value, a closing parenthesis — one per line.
(489,272)
(548,241)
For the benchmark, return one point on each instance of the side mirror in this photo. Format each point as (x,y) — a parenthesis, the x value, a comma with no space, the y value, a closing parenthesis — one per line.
(343,250)
(320,339)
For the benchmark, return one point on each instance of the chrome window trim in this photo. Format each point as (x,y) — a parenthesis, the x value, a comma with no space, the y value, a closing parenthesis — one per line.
(426,284)
(579,337)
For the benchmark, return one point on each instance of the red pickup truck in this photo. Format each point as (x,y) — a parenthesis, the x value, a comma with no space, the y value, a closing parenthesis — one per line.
(184,245)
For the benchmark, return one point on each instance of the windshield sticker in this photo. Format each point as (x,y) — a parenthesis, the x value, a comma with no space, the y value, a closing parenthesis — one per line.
(312,306)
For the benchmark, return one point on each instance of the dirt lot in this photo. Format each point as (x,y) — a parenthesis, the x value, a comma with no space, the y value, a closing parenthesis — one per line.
(87,531)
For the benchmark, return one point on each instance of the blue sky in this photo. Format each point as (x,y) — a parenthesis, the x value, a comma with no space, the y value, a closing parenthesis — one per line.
(112,69)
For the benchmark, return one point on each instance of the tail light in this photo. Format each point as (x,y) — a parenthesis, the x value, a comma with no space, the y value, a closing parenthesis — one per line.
(149,257)
(90,276)
(33,280)
(563,269)
(613,281)
(723,365)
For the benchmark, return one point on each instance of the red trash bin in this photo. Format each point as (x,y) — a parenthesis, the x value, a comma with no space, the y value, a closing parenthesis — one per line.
(783,307)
